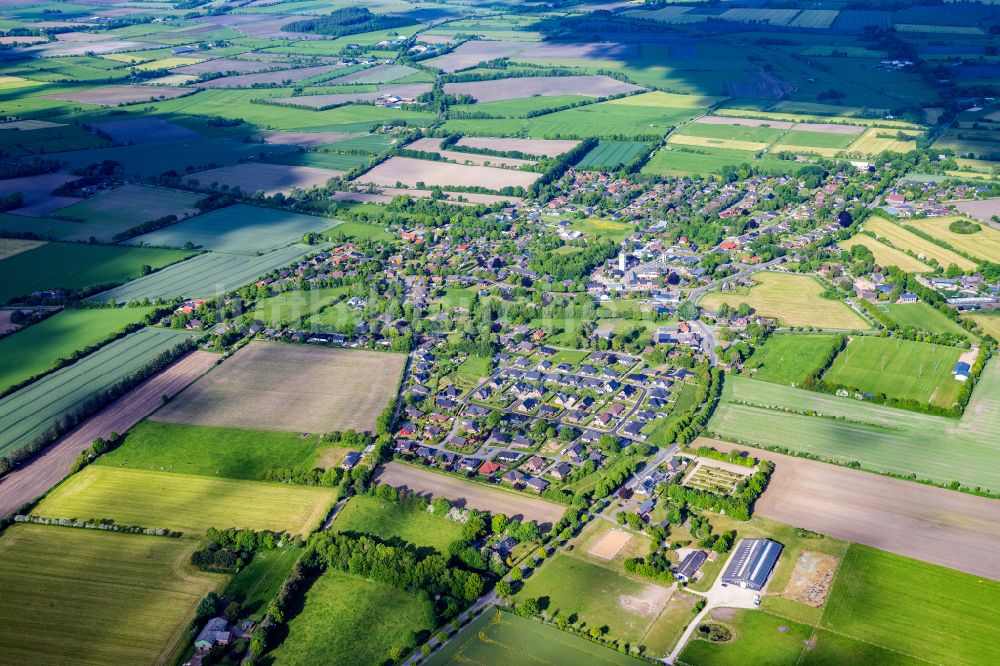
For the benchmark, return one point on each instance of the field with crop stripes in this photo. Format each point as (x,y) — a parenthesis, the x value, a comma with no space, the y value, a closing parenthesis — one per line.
(27,413)
(610,154)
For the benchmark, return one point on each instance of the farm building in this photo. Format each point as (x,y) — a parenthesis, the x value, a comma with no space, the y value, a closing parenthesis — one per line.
(752,563)
(689,566)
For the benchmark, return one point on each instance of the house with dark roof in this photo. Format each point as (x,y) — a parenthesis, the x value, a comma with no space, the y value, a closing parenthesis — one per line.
(752,563)
(689,566)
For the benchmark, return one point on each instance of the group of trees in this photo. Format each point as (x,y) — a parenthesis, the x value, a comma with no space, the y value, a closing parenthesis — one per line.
(736,506)
(231,549)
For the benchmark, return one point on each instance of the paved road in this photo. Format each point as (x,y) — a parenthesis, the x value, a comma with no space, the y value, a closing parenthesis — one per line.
(38,476)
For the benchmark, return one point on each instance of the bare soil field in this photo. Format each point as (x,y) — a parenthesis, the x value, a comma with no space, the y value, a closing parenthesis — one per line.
(502,89)
(983,209)
(49,468)
(248,80)
(115,95)
(812,578)
(37,191)
(827,128)
(540,147)
(304,139)
(582,51)
(271,178)
(409,172)
(433,145)
(744,122)
(227,65)
(387,194)
(470,495)
(610,544)
(323,101)
(297,388)
(475,52)
(940,526)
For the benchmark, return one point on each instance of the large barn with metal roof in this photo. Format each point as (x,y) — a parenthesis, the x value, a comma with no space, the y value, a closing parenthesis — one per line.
(752,563)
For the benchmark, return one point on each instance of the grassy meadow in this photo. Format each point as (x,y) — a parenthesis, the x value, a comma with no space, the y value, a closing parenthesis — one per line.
(790,359)
(388,521)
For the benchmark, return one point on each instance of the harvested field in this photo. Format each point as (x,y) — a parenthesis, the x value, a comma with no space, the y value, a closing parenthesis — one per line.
(955,530)
(262,78)
(470,495)
(812,578)
(540,147)
(37,190)
(187,503)
(270,178)
(335,99)
(46,470)
(11,246)
(387,194)
(96,598)
(744,122)
(409,172)
(886,255)
(276,386)
(610,544)
(827,128)
(433,145)
(516,88)
(208,274)
(472,53)
(982,209)
(982,244)
(905,240)
(875,141)
(709,142)
(29,125)
(145,130)
(115,95)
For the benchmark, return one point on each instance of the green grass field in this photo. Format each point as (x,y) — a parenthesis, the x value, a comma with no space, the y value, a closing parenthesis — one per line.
(92,598)
(517,108)
(879,438)
(339,317)
(677,160)
(792,299)
(77,266)
(237,229)
(358,231)
(190,504)
(257,583)
(759,640)
(28,412)
(35,349)
(351,621)
(611,154)
(731,132)
(474,369)
(597,595)
(919,609)
(322,160)
(291,306)
(389,521)
(886,255)
(924,318)
(900,369)
(817,139)
(789,359)
(497,637)
(208,451)
(599,228)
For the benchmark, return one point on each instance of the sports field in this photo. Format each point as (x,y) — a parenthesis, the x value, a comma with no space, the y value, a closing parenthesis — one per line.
(351,621)
(190,504)
(792,299)
(238,229)
(80,266)
(29,412)
(790,359)
(263,386)
(982,244)
(208,274)
(886,255)
(498,637)
(597,596)
(386,520)
(923,317)
(897,368)
(94,598)
(205,451)
(904,240)
(35,349)
(113,211)
(879,438)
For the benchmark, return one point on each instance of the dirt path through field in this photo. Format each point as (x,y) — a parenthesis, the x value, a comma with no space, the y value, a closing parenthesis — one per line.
(48,469)
(944,527)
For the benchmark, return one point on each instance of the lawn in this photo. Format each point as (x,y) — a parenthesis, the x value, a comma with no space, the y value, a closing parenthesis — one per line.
(790,359)
(474,369)
(924,318)
(886,255)
(72,266)
(880,438)
(257,583)
(906,240)
(358,231)
(36,349)
(598,596)
(900,369)
(237,229)
(989,322)
(94,598)
(389,521)
(29,412)
(497,637)
(666,631)
(792,299)
(596,228)
(349,620)
(206,451)
(761,639)
(731,132)
(187,503)
(919,609)
(340,317)
(292,306)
